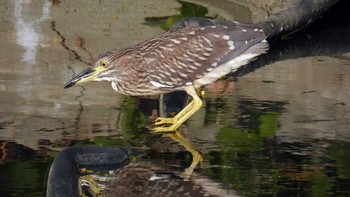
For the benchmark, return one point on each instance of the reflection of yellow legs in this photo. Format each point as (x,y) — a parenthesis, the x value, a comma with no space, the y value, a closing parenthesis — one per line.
(88,185)
(185,142)
(171,124)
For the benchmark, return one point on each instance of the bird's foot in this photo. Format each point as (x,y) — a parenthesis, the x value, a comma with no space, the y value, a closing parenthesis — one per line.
(164,129)
(163,125)
(201,93)
(89,186)
(164,121)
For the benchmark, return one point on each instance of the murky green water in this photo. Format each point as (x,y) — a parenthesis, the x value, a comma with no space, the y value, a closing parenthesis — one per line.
(278,130)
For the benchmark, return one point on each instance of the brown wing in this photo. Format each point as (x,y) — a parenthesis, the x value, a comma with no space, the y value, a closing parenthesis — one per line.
(179,57)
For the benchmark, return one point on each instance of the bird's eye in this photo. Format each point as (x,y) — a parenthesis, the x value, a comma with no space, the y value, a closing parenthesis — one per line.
(104,64)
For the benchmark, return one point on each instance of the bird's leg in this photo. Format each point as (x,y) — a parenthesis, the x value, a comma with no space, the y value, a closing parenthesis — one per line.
(169,121)
(164,121)
(89,185)
(171,124)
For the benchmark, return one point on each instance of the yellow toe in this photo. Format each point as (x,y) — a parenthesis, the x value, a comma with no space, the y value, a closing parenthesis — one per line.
(164,129)
(164,121)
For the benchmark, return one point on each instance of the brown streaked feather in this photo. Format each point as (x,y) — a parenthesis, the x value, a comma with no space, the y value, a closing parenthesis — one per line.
(190,53)
(180,57)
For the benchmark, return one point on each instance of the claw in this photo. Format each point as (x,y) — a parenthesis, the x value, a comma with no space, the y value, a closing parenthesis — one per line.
(165,124)
(162,121)
(164,129)
(202,93)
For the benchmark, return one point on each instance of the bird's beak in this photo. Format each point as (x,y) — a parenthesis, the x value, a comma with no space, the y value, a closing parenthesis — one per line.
(87,75)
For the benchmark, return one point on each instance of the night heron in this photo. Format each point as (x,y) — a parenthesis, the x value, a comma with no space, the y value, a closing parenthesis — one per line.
(180,59)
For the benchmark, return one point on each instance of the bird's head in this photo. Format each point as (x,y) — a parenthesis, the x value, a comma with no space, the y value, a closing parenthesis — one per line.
(103,70)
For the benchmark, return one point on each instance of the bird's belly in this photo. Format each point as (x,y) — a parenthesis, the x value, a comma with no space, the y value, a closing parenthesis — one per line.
(140,89)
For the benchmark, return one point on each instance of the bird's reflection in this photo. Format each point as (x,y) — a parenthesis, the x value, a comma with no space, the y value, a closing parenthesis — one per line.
(187,144)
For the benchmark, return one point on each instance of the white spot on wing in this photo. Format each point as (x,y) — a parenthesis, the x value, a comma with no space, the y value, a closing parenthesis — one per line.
(197,64)
(169,45)
(206,54)
(231,44)
(159,85)
(149,60)
(192,33)
(208,49)
(202,58)
(192,67)
(172,70)
(175,41)
(226,37)
(183,75)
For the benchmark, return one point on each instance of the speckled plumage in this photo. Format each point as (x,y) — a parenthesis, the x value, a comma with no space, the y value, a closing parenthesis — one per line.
(182,57)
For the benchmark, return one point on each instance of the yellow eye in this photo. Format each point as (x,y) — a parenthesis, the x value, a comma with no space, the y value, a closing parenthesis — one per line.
(104,64)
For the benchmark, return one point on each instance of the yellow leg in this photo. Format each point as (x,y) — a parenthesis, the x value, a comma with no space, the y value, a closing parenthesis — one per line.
(162,121)
(171,124)
(169,121)
(185,142)
(88,183)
